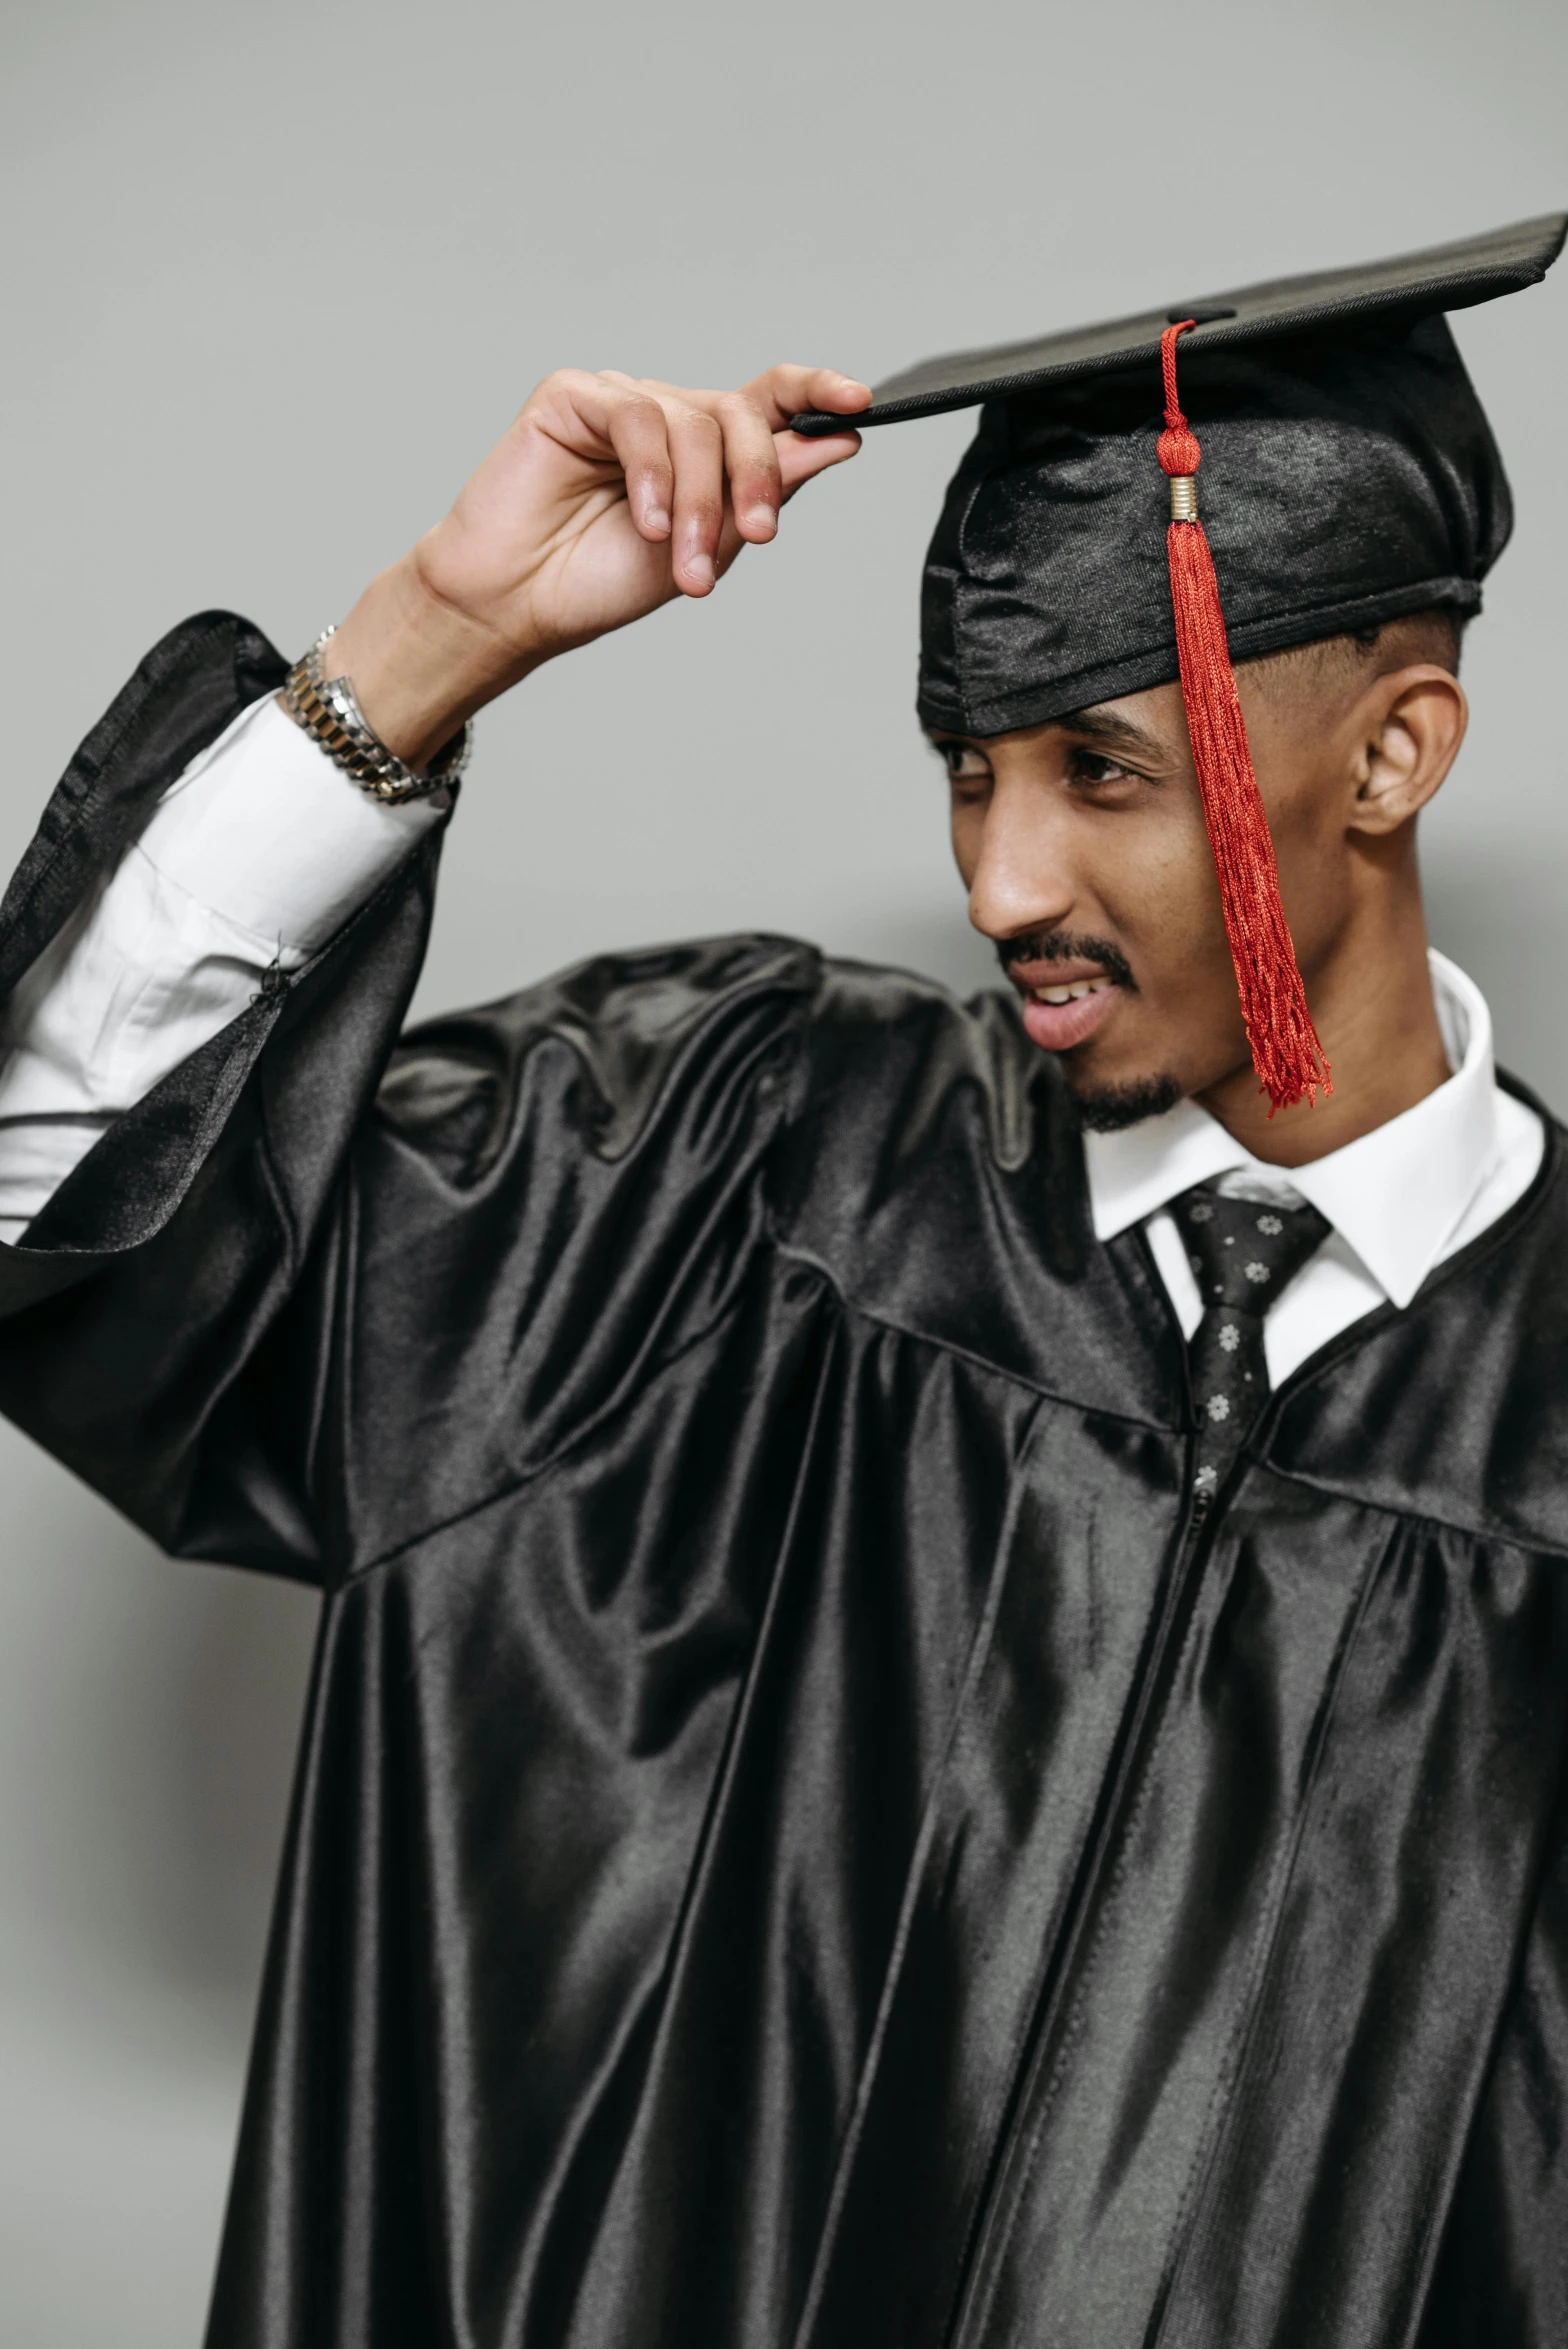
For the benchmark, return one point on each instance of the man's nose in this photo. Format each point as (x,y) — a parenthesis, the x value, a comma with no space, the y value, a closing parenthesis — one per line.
(1021,880)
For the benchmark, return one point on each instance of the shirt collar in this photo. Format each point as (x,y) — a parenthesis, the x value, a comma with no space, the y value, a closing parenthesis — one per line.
(1394,1195)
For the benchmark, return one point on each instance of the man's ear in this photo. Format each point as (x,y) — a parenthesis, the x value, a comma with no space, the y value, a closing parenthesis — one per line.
(1405,734)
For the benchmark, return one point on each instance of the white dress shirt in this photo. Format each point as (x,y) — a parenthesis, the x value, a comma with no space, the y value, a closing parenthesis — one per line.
(1400,1199)
(262,849)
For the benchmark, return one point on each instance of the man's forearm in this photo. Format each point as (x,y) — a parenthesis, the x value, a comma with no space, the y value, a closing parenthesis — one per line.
(419,666)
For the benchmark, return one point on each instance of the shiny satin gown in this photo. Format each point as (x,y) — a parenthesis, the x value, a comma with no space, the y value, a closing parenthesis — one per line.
(800,1839)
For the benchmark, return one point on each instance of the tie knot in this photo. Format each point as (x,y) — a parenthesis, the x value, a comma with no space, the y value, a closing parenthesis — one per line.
(1243,1251)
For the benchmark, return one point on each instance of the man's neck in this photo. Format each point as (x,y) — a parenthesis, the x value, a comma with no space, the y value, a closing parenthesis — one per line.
(1377,1017)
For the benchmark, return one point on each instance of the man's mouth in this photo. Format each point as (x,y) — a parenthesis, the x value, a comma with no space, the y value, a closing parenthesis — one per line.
(1069,986)
(1060,1013)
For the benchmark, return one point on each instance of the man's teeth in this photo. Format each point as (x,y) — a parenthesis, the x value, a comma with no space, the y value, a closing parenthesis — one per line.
(1072,993)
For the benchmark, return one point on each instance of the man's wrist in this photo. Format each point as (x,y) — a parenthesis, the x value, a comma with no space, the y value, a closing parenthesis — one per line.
(419,666)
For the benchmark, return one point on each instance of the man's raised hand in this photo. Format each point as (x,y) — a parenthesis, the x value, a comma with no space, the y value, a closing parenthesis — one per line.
(608,497)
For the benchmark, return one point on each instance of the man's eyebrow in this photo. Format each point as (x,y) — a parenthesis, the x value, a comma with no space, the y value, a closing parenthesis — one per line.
(1111,732)
(1099,725)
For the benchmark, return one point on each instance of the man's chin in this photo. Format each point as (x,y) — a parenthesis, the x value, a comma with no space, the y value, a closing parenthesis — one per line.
(1107,1109)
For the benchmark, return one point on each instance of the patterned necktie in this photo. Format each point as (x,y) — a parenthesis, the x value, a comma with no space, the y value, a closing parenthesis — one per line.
(1242,1252)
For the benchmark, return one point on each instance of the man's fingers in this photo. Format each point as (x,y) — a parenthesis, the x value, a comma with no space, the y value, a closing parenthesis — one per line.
(607,414)
(802,460)
(723,462)
(704,470)
(788,391)
(752,465)
(697,446)
(638,431)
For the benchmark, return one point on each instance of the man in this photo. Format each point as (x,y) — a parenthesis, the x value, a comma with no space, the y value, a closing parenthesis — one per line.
(931,1727)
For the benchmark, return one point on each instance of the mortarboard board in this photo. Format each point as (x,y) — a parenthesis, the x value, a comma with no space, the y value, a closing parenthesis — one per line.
(1350,477)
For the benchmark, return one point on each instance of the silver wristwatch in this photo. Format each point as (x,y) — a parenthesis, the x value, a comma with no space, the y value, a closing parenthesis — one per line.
(329,712)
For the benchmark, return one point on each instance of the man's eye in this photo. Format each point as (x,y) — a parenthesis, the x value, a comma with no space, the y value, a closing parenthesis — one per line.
(964,764)
(1090,766)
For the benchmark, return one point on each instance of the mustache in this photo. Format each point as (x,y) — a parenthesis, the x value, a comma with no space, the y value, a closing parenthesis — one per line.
(1066,946)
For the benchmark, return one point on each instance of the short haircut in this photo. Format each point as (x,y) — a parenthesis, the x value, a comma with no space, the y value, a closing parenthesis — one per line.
(1344,664)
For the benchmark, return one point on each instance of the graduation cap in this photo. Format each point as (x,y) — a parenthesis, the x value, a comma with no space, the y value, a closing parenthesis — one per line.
(1350,478)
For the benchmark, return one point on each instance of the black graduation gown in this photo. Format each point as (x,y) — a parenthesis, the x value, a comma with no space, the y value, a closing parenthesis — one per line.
(798,1838)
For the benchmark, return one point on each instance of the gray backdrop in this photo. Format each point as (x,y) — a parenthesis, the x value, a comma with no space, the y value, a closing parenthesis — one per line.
(276,276)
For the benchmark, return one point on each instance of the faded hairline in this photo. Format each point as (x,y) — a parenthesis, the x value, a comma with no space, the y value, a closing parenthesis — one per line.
(1342,664)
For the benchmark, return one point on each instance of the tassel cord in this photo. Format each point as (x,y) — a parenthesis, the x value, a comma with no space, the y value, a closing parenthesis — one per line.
(1286,1051)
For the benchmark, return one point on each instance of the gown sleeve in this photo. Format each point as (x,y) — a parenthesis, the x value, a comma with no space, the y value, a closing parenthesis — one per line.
(278,1280)
(255,858)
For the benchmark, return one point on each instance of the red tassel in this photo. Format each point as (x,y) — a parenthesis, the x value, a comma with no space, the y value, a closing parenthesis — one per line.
(1286,1052)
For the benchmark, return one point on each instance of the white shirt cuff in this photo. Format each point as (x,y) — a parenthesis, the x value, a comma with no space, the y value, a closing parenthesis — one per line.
(265,830)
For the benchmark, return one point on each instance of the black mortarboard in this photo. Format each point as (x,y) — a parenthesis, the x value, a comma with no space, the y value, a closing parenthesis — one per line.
(1349,477)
